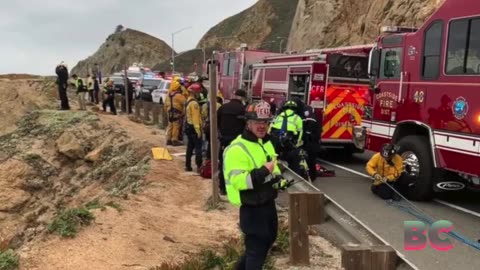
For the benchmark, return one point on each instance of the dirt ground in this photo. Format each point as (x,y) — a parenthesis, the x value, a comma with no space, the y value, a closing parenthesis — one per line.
(166,220)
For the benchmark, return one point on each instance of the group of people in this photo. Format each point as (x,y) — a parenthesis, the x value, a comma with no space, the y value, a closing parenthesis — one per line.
(91,89)
(253,179)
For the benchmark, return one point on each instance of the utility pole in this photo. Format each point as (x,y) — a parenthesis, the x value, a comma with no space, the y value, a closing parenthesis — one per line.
(127,95)
(173,46)
(214,134)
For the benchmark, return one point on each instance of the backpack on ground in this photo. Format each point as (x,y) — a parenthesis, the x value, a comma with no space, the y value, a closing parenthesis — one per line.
(206,169)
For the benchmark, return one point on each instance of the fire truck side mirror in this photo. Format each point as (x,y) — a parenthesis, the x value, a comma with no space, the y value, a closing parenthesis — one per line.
(374,62)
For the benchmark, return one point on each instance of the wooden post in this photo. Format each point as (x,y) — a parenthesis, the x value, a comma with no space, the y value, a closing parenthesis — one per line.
(316,208)
(138,107)
(164,116)
(383,258)
(298,226)
(127,101)
(146,110)
(156,113)
(356,257)
(214,134)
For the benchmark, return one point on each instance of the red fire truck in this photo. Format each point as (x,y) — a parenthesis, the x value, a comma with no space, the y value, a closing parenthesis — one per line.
(424,83)
(333,81)
(234,68)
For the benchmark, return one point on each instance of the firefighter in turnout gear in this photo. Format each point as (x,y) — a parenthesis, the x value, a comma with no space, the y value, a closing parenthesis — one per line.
(252,180)
(193,129)
(386,168)
(287,134)
(174,108)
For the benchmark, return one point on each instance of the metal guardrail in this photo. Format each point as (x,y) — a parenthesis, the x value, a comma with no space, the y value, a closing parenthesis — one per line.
(339,226)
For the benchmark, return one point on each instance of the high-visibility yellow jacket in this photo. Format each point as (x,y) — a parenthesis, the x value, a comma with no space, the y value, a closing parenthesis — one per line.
(247,181)
(294,124)
(378,164)
(193,115)
(206,111)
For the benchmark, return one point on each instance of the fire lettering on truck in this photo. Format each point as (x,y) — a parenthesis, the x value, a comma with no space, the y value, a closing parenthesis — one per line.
(386,101)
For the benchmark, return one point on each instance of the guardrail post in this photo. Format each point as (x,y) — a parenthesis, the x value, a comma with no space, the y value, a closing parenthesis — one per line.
(316,208)
(356,257)
(118,101)
(164,116)
(298,225)
(156,113)
(146,110)
(384,258)
(138,107)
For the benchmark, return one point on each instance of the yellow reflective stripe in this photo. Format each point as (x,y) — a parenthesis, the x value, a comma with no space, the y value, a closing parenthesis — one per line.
(248,179)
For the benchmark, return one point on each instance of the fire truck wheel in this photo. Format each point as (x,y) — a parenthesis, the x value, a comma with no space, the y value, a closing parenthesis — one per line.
(417,160)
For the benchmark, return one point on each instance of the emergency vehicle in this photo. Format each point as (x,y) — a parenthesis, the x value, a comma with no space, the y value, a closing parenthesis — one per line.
(425,86)
(333,81)
(234,68)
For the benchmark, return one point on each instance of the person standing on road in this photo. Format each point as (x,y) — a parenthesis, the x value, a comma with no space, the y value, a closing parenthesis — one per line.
(129,90)
(386,168)
(231,123)
(174,108)
(62,81)
(252,183)
(311,138)
(90,88)
(287,137)
(206,121)
(193,129)
(109,97)
(81,91)
(96,89)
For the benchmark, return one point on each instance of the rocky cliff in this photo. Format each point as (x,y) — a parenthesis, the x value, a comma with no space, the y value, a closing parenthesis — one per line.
(125,48)
(332,23)
(265,25)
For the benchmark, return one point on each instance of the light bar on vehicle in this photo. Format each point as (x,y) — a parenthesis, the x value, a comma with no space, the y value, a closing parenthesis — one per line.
(397,29)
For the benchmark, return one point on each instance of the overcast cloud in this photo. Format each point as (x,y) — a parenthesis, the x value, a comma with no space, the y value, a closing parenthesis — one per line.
(38,34)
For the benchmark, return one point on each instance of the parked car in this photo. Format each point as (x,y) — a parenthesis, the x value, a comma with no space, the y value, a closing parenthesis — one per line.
(118,84)
(145,87)
(161,92)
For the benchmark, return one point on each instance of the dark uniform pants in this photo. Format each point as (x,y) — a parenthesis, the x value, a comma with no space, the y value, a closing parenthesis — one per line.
(193,143)
(62,93)
(110,101)
(260,225)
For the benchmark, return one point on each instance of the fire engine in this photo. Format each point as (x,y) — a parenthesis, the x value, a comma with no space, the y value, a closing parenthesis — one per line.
(333,81)
(424,84)
(234,68)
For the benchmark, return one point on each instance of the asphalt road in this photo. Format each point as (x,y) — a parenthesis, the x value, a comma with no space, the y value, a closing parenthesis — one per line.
(352,191)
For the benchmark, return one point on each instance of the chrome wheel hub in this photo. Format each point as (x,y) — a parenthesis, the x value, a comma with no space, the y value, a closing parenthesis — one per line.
(411,164)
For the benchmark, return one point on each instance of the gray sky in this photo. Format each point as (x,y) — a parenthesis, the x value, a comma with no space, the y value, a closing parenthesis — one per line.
(38,34)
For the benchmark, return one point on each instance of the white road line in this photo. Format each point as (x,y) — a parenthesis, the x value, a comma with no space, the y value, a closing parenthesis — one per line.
(473,213)
(360,222)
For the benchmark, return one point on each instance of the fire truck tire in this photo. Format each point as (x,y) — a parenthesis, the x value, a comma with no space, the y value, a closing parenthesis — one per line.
(422,190)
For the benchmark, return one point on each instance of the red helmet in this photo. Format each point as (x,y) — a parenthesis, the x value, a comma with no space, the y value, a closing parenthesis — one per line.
(196,88)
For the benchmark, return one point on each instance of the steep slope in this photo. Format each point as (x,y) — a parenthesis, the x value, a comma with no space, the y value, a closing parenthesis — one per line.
(265,25)
(331,23)
(125,48)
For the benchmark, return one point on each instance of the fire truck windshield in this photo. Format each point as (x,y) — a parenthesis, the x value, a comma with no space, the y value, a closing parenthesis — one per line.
(346,66)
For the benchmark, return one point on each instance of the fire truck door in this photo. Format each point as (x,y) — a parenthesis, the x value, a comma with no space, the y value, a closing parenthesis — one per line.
(299,86)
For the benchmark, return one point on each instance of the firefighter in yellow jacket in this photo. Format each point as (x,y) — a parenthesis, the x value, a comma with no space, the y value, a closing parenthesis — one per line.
(386,168)
(193,129)
(252,180)
(174,108)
